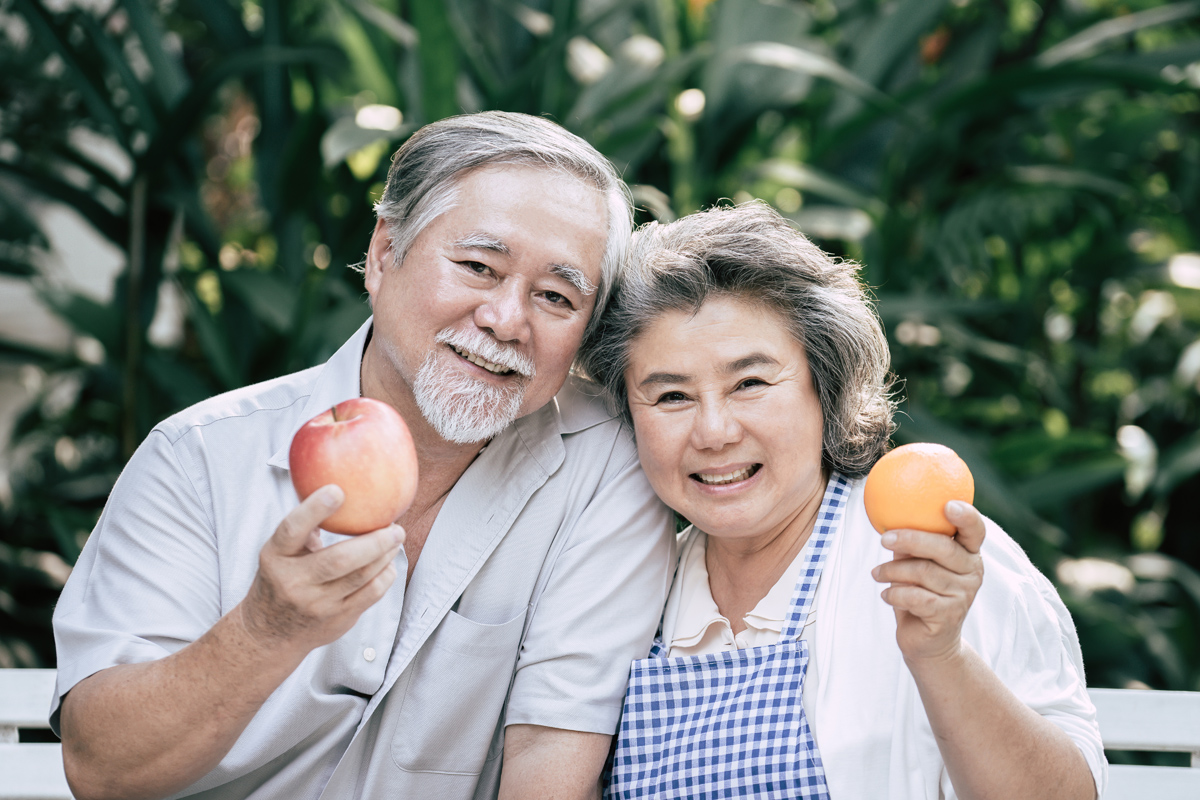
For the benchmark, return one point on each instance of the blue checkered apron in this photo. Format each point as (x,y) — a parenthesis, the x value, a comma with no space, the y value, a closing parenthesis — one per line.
(729,724)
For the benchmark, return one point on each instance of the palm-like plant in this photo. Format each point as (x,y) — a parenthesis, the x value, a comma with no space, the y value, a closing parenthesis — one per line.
(1015,179)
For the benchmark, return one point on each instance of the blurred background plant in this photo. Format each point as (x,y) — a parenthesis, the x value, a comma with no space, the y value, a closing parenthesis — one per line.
(1020,180)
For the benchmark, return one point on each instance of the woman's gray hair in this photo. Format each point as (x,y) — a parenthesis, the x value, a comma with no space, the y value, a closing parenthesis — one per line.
(750,252)
(423,181)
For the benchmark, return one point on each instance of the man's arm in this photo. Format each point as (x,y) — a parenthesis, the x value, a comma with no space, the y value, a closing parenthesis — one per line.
(596,615)
(150,729)
(551,763)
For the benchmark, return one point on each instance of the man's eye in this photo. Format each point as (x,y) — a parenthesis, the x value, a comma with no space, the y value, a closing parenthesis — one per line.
(476,267)
(554,298)
(750,383)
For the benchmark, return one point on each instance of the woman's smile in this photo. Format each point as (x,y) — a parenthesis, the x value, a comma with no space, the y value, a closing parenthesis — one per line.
(727,479)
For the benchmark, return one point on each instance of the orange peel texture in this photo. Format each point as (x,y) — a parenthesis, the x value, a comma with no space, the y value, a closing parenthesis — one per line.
(910,486)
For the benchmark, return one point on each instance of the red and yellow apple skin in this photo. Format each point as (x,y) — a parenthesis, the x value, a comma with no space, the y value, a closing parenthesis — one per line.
(363,446)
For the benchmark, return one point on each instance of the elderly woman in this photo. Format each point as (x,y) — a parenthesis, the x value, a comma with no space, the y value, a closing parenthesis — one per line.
(755,376)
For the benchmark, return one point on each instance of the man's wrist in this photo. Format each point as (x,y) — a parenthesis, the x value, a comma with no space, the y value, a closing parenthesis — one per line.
(263,640)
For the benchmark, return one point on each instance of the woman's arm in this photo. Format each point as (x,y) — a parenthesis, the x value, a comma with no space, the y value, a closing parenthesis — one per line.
(994,745)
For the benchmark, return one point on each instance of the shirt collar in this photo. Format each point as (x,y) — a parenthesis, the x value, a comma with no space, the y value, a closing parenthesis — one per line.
(578,406)
(698,610)
(339,379)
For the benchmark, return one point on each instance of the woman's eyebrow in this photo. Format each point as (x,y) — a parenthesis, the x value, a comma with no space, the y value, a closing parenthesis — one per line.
(655,378)
(752,360)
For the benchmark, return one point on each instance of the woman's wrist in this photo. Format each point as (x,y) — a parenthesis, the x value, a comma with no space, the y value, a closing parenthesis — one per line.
(954,660)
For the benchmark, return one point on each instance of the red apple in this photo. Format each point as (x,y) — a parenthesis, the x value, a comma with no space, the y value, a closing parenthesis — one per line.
(364,447)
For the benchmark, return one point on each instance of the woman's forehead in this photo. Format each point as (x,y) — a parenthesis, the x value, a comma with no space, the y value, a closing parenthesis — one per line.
(725,333)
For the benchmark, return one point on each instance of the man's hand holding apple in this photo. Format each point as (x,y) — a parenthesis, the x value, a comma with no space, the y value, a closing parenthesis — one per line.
(306,595)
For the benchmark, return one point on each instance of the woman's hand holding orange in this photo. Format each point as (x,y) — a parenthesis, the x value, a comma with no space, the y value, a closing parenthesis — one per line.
(934,578)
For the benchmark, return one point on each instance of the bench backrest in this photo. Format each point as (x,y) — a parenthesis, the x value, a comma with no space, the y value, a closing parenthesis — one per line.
(1155,721)
(28,771)
(1129,720)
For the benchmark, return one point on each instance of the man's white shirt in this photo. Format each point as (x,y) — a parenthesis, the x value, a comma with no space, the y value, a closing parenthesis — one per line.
(540,581)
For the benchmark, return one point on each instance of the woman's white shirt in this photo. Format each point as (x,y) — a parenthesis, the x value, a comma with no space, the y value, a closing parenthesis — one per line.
(866,714)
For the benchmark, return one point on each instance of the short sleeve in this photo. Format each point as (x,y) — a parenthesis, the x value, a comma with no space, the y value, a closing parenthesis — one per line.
(147,582)
(1042,664)
(599,610)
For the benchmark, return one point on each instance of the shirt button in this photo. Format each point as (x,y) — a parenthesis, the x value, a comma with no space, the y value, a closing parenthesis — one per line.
(369,654)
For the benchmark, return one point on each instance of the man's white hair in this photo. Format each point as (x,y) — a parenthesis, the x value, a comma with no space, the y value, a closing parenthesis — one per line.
(425,174)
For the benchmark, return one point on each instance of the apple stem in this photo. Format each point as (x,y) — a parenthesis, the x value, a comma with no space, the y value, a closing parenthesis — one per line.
(333,411)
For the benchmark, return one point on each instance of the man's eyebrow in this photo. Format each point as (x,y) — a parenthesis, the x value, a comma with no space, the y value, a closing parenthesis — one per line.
(482,241)
(656,378)
(752,360)
(575,277)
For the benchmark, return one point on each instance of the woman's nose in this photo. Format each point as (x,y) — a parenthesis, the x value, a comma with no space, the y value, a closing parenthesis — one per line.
(716,426)
(504,314)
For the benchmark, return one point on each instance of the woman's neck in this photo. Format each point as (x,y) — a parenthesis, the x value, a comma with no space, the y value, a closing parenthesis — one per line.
(742,571)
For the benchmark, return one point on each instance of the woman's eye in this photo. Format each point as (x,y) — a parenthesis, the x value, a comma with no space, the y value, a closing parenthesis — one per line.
(750,383)
(671,397)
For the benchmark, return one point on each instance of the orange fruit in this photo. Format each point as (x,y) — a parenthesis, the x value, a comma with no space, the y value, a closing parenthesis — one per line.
(910,486)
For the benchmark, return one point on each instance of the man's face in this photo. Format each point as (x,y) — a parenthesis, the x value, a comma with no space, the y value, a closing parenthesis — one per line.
(482,320)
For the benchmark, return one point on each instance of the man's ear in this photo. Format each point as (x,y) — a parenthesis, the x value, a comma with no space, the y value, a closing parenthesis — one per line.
(379,257)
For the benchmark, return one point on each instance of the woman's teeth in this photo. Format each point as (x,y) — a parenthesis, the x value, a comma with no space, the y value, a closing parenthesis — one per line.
(730,477)
(474,359)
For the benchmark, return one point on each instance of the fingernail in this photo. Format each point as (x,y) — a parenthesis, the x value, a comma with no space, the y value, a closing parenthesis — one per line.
(875,573)
(397,535)
(888,539)
(956,507)
(332,494)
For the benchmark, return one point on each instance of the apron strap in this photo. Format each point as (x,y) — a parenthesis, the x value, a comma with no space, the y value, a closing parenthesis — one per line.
(828,523)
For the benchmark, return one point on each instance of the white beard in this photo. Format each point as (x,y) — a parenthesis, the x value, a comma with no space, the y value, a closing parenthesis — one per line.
(462,409)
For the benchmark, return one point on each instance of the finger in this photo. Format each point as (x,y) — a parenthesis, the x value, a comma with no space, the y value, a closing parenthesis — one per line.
(352,581)
(335,562)
(936,547)
(971,530)
(369,593)
(917,601)
(928,575)
(292,536)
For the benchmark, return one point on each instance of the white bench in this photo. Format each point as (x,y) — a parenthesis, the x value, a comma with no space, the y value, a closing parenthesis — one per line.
(28,771)
(1129,720)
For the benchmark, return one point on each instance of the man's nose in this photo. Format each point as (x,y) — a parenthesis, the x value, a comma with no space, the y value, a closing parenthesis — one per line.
(504,313)
(715,426)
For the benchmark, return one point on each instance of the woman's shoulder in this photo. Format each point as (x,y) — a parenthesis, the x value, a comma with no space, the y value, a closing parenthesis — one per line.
(1006,562)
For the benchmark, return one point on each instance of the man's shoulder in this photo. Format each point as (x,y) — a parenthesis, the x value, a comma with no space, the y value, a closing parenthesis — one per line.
(276,395)
(582,405)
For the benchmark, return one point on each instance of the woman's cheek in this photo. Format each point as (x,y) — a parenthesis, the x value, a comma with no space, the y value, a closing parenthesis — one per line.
(658,452)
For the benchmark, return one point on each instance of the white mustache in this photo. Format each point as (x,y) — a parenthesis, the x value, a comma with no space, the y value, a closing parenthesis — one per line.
(489,349)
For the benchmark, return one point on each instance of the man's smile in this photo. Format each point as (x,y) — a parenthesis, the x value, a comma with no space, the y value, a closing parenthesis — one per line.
(480,361)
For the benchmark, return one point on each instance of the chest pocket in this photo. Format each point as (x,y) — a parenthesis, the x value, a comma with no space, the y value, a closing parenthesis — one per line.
(455,695)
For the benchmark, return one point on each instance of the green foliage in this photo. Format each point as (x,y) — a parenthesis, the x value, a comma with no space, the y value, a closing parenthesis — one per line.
(1019,180)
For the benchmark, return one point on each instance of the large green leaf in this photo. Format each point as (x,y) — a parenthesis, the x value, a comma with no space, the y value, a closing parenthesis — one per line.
(1086,41)
(269,295)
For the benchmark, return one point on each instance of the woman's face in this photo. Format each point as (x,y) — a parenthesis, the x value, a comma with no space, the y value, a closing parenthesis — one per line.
(728,423)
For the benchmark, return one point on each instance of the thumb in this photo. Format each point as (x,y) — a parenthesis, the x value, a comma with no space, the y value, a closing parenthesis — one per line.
(969,521)
(292,536)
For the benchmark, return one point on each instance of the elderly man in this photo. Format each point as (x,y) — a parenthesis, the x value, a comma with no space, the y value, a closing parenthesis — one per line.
(479,646)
